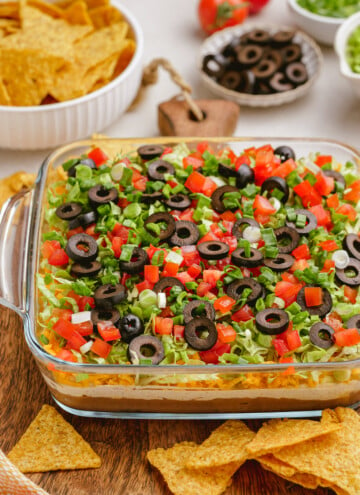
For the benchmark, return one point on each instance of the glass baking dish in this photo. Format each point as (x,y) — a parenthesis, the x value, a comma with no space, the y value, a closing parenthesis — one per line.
(170,391)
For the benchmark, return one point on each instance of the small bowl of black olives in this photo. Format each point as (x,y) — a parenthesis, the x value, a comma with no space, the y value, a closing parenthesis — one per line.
(260,65)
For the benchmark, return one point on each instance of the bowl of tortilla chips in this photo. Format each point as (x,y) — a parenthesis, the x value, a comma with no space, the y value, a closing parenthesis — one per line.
(67,69)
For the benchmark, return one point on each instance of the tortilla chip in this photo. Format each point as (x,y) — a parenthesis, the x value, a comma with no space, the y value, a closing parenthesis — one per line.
(51,444)
(105,15)
(47,8)
(183,481)
(4,95)
(9,10)
(77,13)
(125,57)
(279,433)
(270,463)
(334,457)
(225,445)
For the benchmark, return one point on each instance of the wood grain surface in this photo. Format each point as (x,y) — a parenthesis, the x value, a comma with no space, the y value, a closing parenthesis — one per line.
(121,444)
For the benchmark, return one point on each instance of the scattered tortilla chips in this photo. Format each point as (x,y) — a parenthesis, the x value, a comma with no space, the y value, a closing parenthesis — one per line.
(183,481)
(60,50)
(50,444)
(230,439)
(14,183)
(279,433)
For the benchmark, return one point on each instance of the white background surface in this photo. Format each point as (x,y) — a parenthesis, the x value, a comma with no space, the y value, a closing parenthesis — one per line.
(171,30)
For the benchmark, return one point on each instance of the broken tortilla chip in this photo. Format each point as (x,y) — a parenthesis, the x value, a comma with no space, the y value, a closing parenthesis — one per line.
(105,15)
(225,445)
(77,13)
(51,444)
(183,481)
(270,463)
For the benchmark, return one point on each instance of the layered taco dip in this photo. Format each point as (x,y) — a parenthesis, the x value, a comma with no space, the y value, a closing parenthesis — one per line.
(199,256)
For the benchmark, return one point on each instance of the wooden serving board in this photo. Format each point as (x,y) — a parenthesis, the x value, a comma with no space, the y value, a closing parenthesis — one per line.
(121,444)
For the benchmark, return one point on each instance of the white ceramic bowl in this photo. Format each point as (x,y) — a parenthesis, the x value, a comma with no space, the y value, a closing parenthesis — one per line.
(47,126)
(312,58)
(321,28)
(341,40)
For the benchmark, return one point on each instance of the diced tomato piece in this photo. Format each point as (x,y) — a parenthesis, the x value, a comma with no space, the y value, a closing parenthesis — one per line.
(187,215)
(302,252)
(329,245)
(144,285)
(293,340)
(178,331)
(323,216)
(85,301)
(66,355)
(285,168)
(313,296)
(212,355)
(193,161)
(167,150)
(231,241)
(123,202)
(163,326)
(116,244)
(85,328)
(209,187)
(190,257)
(58,258)
(329,265)
(287,291)
(195,182)
(170,269)
(212,276)
(75,341)
(184,277)
(324,184)
(354,193)
(65,314)
(49,247)
(262,206)
(224,304)
(263,219)
(78,230)
(202,146)
(228,216)
(202,289)
(299,265)
(289,277)
(64,328)
(348,337)
(334,320)
(208,237)
(243,314)
(351,293)
(322,160)
(140,184)
(101,348)
(347,210)
(108,331)
(226,333)
(194,271)
(290,370)
(332,201)
(98,156)
(216,230)
(308,195)
(242,160)
(151,273)
(121,231)
(263,156)
(280,346)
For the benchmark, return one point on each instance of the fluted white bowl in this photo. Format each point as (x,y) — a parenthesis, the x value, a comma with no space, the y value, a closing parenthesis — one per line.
(47,126)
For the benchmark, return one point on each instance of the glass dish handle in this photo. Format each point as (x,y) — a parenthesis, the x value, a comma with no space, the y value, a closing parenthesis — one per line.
(14,250)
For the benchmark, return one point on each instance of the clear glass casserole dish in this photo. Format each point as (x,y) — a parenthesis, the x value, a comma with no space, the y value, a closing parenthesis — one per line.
(167,391)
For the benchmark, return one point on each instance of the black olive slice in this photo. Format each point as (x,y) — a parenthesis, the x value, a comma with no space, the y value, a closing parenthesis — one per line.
(245,176)
(194,328)
(350,275)
(249,55)
(227,171)
(321,310)
(236,288)
(296,73)
(213,65)
(108,295)
(354,322)
(238,258)
(291,53)
(272,321)
(162,217)
(83,220)
(146,347)
(279,83)
(112,315)
(337,176)
(241,224)
(99,195)
(167,283)
(321,335)
(186,234)
(217,195)
(282,38)
(158,169)
(264,70)
(68,211)
(87,162)
(280,264)
(311,222)
(151,198)
(178,202)
(138,260)
(213,250)
(275,56)
(275,182)
(284,153)
(289,235)
(231,79)
(82,248)
(258,36)
(150,151)
(230,49)
(85,269)
(351,244)
(190,308)
(130,327)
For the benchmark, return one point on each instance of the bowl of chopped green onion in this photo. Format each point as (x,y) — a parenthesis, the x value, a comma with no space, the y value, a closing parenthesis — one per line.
(322,18)
(347,46)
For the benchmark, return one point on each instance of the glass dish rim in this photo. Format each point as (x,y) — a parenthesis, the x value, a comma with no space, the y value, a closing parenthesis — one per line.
(39,186)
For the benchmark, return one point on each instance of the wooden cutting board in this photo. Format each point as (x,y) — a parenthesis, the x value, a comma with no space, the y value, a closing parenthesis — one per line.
(121,444)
